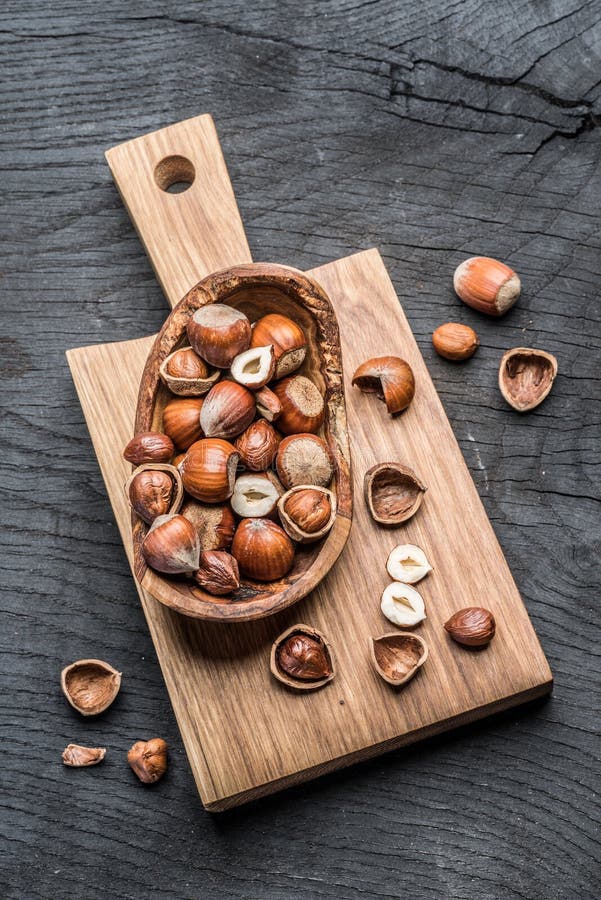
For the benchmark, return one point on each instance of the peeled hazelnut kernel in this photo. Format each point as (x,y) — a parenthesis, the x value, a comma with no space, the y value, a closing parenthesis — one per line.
(302,658)
(154,489)
(185,363)
(302,405)
(78,756)
(263,549)
(149,447)
(398,656)
(209,470)
(487,285)
(526,376)
(307,513)
(218,333)
(268,404)
(258,445)
(215,525)
(148,759)
(255,496)
(228,409)
(254,368)
(454,341)
(286,337)
(181,421)
(304,459)
(90,685)
(472,627)
(171,545)
(408,564)
(390,378)
(402,605)
(217,572)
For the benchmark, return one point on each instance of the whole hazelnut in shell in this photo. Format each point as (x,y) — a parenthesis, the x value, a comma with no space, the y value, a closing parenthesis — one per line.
(286,337)
(302,405)
(304,459)
(218,333)
(263,550)
(209,470)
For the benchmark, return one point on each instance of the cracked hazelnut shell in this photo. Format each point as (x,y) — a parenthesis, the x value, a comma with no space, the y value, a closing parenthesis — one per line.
(154,490)
(393,493)
(526,376)
(78,757)
(390,378)
(268,404)
(148,759)
(302,658)
(186,374)
(254,367)
(90,685)
(397,656)
(307,513)
(215,524)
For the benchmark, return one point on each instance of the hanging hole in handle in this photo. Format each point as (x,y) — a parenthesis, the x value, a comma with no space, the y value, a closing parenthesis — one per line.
(174,174)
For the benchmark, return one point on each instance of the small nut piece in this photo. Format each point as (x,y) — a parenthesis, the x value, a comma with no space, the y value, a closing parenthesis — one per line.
(255,496)
(268,404)
(171,545)
(454,341)
(302,658)
(408,564)
(302,405)
(218,333)
(181,421)
(258,445)
(148,759)
(398,656)
(487,285)
(149,447)
(217,572)
(472,627)
(186,374)
(286,337)
(228,409)
(215,525)
(307,513)
(77,756)
(393,493)
(304,459)
(154,490)
(90,685)
(526,376)
(403,605)
(390,378)
(209,470)
(254,368)
(263,549)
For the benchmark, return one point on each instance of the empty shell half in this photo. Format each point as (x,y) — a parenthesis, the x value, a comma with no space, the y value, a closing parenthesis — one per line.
(90,685)
(526,376)
(397,656)
(407,563)
(393,493)
(403,605)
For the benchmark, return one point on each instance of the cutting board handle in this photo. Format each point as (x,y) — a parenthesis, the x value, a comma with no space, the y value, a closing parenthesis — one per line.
(190,233)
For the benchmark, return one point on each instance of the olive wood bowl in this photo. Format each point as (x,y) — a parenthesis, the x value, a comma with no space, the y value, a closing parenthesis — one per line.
(257,289)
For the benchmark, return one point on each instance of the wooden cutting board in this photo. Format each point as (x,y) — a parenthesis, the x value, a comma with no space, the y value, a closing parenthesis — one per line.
(246,735)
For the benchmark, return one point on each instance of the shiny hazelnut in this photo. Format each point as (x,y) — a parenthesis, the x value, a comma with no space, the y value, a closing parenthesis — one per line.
(455,342)
(148,759)
(215,524)
(149,447)
(268,404)
(218,333)
(302,405)
(154,490)
(185,363)
(77,756)
(487,285)
(186,374)
(472,627)
(304,459)
(209,470)
(217,572)
(228,409)
(307,513)
(256,496)
(286,337)
(254,368)
(263,549)
(181,421)
(526,376)
(171,545)
(258,445)
(90,685)
(302,658)
(390,378)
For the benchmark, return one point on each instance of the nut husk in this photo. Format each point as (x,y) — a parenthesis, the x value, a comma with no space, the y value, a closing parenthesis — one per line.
(302,658)
(90,685)
(390,378)
(148,759)
(307,512)
(473,626)
(78,757)
(526,376)
(397,656)
(154,489)
(393,493)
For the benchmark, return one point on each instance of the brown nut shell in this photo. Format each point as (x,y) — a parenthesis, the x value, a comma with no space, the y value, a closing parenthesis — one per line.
(302,658)
(307,513)
(302,405)
(304,459)
(258,445)
(79,757)
(149,447)
(268,405)
(455,341)
(286,337)
(397,656)
(526,376)
(148,759)
(171,545)
(473,626)
(218,333)
(228,409)
(209,470)
(217,572)
(393,493)
(487,285)
(90,685)
(154,490)
(181,421)
(215,524)
(390,378)
(263,550)
(186,374)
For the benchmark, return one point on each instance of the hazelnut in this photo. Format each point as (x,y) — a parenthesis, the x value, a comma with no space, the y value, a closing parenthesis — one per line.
(390,378)
(181,421)
(149,447)
(171,545)
(302,658)
(454,341)
(393,493)
(407,563)
(302,405)
(154,490)
(186,374)
(217,572)
(258,445)
(268,405)
(307,513)
(304,459)
(218,333)
(472,627)
(209,470)
(526,376)
(263,549)
(397,656)
(255,496)
(214,524)
(90,685)
(286,337)
(78,756)
(402,605)
(148,759)
(228,409)
(254,368)
(487,285)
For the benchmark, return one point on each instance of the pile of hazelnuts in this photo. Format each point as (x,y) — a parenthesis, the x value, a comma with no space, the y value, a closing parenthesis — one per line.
(238,476)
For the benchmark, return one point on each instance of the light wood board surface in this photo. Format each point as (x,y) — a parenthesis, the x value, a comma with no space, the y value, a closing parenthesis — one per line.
(245,734)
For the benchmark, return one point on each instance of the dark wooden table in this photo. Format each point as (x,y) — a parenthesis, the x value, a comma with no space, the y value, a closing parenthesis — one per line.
(434,131)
